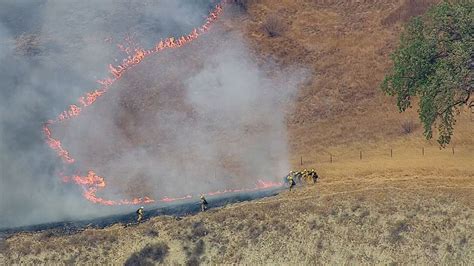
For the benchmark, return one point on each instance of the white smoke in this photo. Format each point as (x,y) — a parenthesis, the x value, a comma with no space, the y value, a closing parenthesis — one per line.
(172,128)
(222,125)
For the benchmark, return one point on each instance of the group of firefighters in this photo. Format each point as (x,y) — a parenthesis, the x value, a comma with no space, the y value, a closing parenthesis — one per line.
(291,179)
(300,177)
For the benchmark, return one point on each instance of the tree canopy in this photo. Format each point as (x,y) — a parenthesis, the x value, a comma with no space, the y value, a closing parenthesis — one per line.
(434,62)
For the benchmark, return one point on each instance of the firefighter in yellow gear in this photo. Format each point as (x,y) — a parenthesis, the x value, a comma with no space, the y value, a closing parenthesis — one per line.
(314,176)
(291,182)
(203,203)
(140,214)
(305,175)
(296,176)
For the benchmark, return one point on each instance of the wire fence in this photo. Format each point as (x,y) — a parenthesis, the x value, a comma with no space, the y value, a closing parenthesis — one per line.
(385,153)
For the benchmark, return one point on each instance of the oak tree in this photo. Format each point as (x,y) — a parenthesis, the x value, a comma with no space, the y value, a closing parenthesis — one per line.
(434,62)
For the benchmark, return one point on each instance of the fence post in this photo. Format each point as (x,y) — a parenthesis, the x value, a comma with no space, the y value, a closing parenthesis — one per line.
(360,155)
(423,151)
(391,153)
(453,150)
(330,158)
(301,161)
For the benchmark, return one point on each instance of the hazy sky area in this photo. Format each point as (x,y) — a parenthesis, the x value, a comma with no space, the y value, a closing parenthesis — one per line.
(52,52)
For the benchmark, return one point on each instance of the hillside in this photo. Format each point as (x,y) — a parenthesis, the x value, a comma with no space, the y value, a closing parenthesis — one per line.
(347,45)
(385,194)
(385,211)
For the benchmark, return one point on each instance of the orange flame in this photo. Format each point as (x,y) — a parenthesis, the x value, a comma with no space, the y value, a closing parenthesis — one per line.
(92,183)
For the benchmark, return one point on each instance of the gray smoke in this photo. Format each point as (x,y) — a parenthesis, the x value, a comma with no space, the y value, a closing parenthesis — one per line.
(52,52)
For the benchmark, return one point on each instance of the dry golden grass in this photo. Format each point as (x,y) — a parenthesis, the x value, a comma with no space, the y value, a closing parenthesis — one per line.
(346,45)
(409,208)
(381,211)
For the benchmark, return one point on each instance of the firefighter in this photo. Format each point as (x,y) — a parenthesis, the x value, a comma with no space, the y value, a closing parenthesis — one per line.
(304,175)
(285,179)
(296,176)
(290,174)
(314,176)
(291,182)
(203,203)
(139,214)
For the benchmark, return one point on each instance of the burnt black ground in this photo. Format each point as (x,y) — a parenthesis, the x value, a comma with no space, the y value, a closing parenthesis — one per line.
(173,209)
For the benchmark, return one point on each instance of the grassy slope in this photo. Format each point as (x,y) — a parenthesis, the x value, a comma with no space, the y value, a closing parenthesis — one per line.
(358,212)
(407,209)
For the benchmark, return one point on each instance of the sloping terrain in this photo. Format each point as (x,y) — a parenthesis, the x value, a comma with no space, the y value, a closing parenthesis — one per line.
(347,45)
(385,211)
(385,194)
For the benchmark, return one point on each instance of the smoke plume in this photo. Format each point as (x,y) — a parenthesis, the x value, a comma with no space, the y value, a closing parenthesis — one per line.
(204,117)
